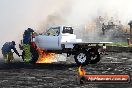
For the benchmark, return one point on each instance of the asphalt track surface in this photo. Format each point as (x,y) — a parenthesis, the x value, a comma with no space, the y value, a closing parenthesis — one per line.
(63,74)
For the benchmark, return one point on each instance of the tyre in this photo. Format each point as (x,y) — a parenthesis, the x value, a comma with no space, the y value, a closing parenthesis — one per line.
(82,58)
(95,56)
(34,55)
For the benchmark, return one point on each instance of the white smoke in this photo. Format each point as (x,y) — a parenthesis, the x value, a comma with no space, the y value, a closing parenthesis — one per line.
(84,10)
(18,15)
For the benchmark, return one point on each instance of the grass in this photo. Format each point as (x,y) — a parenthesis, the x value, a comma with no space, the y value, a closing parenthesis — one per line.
(119,44)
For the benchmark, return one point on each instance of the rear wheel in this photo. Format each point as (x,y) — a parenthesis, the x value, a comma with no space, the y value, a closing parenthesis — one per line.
(95,56)
(82,58)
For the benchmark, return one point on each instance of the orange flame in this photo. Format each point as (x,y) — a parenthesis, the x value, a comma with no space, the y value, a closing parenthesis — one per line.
(45,57)
(81,71)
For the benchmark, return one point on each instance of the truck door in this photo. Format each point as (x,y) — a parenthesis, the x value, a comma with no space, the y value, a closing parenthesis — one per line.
(50,40)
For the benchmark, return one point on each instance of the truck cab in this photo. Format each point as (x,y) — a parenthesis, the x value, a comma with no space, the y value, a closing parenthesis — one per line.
(55,37)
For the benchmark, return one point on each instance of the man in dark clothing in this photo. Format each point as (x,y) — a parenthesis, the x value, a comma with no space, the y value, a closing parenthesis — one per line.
(6,51)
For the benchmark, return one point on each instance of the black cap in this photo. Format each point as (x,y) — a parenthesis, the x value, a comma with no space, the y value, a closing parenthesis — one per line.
(13,42)
(30,30)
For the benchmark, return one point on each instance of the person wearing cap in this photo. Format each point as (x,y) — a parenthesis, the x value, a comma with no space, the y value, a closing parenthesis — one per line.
(27,36)
(7,53)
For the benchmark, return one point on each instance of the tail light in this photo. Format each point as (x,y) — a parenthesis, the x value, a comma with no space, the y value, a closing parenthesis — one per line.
(33,37)
(33,40)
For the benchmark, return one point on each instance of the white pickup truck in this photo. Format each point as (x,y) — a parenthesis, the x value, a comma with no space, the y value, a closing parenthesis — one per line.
(61,39)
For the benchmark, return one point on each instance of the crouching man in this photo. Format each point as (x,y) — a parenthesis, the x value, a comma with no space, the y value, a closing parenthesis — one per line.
(7,53)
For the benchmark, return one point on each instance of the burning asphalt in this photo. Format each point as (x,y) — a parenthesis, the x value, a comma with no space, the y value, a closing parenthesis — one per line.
(64,74)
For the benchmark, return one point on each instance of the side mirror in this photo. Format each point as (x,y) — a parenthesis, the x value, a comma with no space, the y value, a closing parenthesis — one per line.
(48,34)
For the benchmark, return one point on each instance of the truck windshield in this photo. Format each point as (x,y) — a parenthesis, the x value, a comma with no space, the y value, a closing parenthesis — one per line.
(53,31)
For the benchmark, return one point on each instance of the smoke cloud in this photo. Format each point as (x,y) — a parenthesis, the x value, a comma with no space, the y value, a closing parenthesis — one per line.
(18,15)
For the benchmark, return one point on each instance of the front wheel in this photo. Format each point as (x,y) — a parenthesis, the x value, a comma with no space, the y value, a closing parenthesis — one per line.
(82,58)
(34,55)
